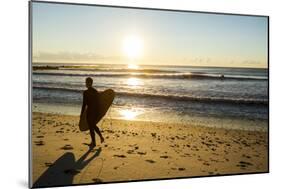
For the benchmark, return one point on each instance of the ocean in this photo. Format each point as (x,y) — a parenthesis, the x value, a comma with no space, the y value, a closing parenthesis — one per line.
(234,98)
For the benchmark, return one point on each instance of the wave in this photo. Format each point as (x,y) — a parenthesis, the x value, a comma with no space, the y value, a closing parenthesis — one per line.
(158,75)
(169,97)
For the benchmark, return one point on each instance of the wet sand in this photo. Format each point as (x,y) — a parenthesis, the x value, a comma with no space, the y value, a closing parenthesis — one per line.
(137,150)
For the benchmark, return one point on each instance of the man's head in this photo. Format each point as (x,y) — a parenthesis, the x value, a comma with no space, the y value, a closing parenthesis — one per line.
(89,82)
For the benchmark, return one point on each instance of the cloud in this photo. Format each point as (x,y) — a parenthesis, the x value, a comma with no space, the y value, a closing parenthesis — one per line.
(251,62)
(71,56)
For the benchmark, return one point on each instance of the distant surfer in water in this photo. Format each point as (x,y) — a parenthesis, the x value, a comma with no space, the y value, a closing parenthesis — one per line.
(90,99)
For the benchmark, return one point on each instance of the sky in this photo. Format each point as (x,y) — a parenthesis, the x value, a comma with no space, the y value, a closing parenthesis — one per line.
(91,34)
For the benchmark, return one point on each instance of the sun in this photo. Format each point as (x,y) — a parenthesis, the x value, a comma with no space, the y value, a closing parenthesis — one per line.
(132,46)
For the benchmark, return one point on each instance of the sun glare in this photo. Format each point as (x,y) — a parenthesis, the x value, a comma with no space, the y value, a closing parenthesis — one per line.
(132,46)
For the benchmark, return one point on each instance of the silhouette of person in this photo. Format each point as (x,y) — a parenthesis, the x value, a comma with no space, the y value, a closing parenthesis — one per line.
(90,99)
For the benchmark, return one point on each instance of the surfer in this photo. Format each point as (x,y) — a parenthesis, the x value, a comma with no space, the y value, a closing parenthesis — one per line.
(90,99)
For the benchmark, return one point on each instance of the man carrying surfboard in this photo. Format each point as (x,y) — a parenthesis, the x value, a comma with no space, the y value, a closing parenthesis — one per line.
(91,100)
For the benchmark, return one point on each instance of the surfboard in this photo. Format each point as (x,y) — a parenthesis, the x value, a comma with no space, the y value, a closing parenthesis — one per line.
(105,100)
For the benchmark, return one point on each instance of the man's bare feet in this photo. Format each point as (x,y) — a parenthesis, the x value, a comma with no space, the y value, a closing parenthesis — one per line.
(102,140)
(92,145)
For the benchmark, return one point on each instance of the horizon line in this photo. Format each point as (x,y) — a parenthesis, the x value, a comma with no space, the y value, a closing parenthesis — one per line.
(161,65)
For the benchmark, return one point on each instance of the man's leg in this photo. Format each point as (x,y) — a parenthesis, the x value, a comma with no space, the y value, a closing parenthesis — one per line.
(92,133)
(99,133)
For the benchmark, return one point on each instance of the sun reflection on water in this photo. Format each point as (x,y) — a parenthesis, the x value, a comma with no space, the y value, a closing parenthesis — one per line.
(134,82)
(129,114)
(133,66)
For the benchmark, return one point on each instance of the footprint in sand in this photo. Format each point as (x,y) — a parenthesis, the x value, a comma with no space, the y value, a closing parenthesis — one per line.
(120,156)
(164,157)
(67,147)
(130,152)
(243,164)
(48,164)
(150,161)
(39,143)
(246,156)
(141,153)
(97,180)
(40,136)
(181,169)
(205,163)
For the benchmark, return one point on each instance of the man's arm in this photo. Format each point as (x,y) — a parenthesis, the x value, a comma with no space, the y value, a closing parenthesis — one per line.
(84,104)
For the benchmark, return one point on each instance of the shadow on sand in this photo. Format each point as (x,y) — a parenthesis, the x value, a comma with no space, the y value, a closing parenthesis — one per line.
(63,170)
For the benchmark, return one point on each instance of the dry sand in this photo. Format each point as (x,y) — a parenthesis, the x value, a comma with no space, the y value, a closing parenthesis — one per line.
(136,150)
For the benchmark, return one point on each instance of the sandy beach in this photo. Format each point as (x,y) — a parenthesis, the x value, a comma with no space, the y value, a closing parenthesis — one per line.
(137,150)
